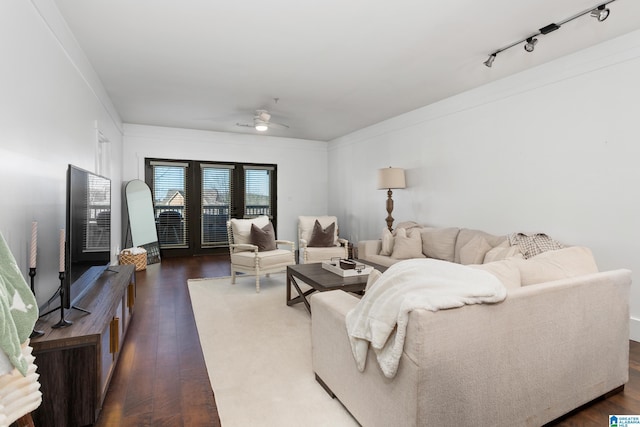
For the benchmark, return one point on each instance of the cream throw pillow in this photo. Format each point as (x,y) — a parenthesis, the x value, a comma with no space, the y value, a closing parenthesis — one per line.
(407,246)
(387,243)
(557,264)
(502,251)
(506,271)
(474,251)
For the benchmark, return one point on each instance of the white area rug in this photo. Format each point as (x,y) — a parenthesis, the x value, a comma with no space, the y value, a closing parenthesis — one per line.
(258,354)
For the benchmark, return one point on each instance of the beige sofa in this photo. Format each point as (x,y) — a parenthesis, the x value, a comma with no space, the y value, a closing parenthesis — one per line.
(460,245)
(559,340)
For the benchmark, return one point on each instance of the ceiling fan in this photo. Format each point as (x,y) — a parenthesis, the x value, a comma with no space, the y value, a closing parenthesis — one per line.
(262,121)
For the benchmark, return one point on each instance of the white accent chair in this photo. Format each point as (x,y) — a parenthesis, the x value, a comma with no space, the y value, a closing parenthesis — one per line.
(319,254)
(245,257)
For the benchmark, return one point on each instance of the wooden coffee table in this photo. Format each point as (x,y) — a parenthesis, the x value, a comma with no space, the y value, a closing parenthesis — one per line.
(322,280)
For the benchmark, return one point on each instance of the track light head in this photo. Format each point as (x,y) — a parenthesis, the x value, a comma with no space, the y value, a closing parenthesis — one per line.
(489,61)
(531,44)
(600,13)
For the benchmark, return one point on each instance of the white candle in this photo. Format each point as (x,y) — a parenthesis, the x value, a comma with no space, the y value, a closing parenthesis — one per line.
(34,244)
(61,250)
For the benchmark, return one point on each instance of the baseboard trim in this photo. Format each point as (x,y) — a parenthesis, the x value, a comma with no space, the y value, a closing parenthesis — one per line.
(634,329)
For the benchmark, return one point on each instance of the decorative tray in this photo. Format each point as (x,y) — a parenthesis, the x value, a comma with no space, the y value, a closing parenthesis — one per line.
(360,269)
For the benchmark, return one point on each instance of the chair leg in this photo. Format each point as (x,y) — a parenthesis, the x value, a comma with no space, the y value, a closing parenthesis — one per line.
(233,277)
(257,283)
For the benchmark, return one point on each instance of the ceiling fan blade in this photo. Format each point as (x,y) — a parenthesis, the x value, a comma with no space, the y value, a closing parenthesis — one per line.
(244,125)
(278,125)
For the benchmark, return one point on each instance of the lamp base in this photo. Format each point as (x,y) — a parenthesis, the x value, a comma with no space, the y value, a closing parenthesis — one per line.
(389,218)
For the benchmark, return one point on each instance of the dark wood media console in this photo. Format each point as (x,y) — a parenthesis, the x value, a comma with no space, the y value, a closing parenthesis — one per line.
(76,363)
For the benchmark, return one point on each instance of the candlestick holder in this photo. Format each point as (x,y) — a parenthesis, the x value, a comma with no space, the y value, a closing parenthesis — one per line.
(32,274)
(62,323)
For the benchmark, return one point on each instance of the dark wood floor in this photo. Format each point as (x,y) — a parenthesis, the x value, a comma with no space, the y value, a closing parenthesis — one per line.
(161,378)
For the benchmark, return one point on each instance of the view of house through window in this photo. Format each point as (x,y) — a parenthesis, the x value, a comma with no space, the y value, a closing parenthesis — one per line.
(194,200)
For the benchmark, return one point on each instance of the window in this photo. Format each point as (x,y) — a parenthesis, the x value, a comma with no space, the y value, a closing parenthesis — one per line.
(193,201)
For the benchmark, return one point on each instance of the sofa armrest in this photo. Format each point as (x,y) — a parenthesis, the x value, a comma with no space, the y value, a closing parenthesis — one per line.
(366,248)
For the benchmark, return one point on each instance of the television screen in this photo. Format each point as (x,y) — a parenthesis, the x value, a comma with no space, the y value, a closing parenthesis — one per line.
(88,231)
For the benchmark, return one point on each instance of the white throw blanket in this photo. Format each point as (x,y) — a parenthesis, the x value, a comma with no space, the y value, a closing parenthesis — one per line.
(381,316)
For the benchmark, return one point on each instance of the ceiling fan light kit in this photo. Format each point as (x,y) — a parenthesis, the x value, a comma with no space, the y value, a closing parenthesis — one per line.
(600,13)
(262,121)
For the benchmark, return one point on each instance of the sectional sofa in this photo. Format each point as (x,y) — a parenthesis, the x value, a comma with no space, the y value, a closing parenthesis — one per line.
(559,340)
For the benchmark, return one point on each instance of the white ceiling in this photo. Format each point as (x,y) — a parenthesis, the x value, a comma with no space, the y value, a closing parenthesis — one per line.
(336,66)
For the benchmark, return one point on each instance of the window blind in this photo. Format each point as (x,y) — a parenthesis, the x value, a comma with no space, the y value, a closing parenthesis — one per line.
(170,203)
(216,203)
(257,192)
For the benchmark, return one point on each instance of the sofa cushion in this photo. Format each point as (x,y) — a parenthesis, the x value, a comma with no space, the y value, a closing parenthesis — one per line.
(506,271)
(373,276)
(385,261)
(503,251)
(263,237)
(407,245)
(439,243)
(241,228)
(387,243)
(322,237)
(465,235)
(558,264)
(474,251)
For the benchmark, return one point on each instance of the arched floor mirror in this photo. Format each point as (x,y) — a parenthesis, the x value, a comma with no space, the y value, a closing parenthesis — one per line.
(141,229)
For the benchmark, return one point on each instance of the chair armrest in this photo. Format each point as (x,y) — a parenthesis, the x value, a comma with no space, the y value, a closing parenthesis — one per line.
(285,242)
(303,243)
(243,246)
(342,241)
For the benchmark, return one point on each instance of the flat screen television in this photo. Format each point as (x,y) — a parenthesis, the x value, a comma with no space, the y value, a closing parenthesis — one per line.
(88,232)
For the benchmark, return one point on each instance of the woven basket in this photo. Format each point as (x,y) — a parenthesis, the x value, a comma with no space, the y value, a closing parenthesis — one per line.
(139,260)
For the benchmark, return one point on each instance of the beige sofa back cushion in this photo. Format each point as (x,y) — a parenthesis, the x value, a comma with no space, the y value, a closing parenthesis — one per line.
(439,243)
(554,265)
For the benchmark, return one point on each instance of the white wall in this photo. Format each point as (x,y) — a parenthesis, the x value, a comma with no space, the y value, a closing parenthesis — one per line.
(49,105)
(302,164)
(552,149)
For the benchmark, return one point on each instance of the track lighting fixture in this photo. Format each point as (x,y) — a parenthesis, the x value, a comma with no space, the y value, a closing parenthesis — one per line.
(489,62)
(531,44)
(600,13)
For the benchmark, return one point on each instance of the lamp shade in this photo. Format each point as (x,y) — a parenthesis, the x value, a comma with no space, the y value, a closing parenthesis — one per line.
(391,178)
